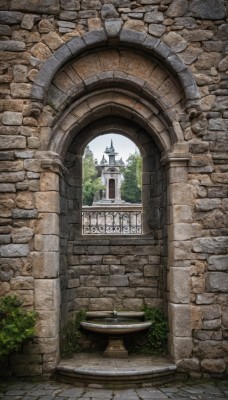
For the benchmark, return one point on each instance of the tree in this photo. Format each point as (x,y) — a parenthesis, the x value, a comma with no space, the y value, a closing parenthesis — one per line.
(131,186)
(91,182)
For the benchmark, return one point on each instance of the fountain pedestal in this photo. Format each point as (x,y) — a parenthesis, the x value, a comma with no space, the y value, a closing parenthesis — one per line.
(115,348)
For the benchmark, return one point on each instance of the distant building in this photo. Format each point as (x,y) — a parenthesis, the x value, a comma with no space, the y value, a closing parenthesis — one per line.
(111,175)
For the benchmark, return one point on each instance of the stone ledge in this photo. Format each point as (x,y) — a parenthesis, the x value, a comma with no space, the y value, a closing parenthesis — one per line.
(135,371)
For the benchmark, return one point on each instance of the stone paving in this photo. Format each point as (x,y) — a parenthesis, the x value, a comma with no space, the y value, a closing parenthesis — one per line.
(60,391)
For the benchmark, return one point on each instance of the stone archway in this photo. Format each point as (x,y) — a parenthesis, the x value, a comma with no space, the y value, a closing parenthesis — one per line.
(79,88)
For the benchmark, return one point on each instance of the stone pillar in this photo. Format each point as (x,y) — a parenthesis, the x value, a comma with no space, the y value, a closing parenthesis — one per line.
(181,231)
(46,263)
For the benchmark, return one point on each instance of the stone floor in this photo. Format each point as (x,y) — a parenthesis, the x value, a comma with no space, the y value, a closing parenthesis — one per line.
(60,391)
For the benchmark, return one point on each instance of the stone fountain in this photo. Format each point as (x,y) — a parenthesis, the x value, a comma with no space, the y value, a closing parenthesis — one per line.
(116,325)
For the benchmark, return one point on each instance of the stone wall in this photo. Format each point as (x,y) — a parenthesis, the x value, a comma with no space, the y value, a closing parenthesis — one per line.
(67,68)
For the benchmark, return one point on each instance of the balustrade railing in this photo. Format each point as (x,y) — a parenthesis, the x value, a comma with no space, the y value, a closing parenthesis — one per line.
(112,221)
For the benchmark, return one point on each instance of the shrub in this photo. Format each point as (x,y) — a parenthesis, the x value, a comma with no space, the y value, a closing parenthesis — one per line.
(157,335)
(71,334)
(16,324)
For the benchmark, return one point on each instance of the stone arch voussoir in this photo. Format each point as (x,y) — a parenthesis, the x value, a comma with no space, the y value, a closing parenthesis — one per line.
(104,38)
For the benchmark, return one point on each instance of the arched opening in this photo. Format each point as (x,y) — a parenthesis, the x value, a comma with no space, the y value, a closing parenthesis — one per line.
(138,96)
(100,272)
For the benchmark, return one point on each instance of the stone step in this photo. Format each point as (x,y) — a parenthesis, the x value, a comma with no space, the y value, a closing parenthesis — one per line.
(135,371)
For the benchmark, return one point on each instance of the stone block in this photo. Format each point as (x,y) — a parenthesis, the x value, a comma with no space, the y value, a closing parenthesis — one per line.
(151,270)
(187,364)
(176,42)
(47,345)
(215,245)
(179,285)
(217,192)
(132,304)
(47,202)
(182,231)
(113,27)
(210,350)
(24,201)
(12,118)
(181,347)
(47,294)
(218,263)
(10,17)
(87,292)
(22,283)
(108,11)
(22,235)
(118,280)
(211,325)
(180,250)
(198,284)
(217,282)
(94,280)
(100,269)
(49,181)
(205,298)
(47,325)
(178,174)
(92,38)
(20,90)
(46,243)
(156,30)
(48,224)
(178,8)
(220,177)
(24,214)
(45,265)
(14,250)
(146,292)
(181,214)
(212,9)
(117,269)
(210,312)
(90,259)
(37,6)
(109,292)
(136,280)
(180,320)
(12,142)
(181,194)
(12,45)
(104,304)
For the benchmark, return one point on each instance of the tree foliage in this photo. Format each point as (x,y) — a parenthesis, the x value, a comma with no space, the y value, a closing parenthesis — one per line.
(131,185)
(91,182)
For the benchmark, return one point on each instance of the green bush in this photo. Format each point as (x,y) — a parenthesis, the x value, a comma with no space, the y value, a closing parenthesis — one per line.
(70,335)
(16,325)
(157,336)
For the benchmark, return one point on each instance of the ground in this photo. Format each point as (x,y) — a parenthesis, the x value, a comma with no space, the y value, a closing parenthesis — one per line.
(60,391)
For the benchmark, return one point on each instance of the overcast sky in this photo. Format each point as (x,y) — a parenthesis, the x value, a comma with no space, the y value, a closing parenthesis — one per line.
(122,145)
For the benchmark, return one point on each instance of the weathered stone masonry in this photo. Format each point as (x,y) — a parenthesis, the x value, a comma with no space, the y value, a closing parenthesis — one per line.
(156,71)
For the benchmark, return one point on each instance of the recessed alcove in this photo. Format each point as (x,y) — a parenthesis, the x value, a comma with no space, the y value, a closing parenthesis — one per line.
(114,272)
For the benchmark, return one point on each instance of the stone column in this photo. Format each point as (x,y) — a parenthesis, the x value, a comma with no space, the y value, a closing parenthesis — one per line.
(181,231)
(46,262)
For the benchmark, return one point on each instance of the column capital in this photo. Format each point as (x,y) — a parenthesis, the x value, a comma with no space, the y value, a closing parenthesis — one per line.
(175,159)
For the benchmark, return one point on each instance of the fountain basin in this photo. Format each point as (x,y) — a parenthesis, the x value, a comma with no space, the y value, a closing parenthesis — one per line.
(116,327)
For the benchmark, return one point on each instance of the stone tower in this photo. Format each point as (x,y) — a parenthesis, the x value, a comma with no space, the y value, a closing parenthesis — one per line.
(111,176)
